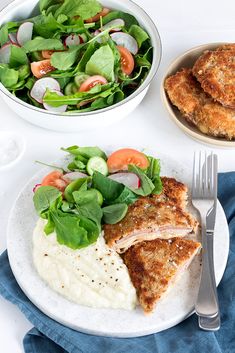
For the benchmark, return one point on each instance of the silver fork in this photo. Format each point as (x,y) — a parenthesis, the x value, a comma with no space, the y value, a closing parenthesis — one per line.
(204,190)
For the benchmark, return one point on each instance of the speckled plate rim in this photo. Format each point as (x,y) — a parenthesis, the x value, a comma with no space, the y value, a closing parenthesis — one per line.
(132,324)
(183,124)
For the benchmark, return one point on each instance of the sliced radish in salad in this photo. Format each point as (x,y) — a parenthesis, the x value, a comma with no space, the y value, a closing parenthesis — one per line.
(131,180)
(40,87)
(5,53)
(60,109)
(99,39)
(125,40)
(73,40)
(116,24)
(24,33)
(83,37)
(75,175)
(12,37)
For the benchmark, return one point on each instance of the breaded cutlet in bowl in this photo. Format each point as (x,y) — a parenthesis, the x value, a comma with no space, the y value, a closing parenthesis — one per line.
(215,70)
(198,108)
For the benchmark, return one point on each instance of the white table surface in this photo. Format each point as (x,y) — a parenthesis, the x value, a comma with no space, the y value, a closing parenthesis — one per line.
(182,24)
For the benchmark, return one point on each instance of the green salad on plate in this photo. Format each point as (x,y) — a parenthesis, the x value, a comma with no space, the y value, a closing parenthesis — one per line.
(93,189)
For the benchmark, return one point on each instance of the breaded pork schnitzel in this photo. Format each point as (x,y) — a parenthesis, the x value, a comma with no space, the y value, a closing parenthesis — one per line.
(215,70)
(154,265)
(156,216)
(198,108)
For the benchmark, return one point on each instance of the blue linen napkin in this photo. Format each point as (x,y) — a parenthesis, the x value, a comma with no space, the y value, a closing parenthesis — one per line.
(48,336)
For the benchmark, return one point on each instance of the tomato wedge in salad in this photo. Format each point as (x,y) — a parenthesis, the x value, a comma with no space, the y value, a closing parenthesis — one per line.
(120,159)
(127,60)
(46,54)
(41,68)
(91,82)
(55,179)
(96,18)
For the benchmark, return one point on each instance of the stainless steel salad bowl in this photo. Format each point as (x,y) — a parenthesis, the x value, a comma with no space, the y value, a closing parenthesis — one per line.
(20,10)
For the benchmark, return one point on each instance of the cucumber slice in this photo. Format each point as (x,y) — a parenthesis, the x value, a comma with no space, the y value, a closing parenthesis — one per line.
(100,198)
(97,164)
(79,79)
(71,88)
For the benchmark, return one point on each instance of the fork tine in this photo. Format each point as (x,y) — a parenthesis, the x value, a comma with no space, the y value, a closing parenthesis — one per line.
(214,174)
(205,174)
(200,177)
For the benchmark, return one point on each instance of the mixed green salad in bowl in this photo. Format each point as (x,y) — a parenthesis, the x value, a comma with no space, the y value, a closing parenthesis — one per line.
(93,189)
(75,56)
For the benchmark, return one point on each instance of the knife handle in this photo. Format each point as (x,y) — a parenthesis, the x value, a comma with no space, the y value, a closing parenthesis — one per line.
(207,301)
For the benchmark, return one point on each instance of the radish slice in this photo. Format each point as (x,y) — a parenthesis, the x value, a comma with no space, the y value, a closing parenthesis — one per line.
(75,175)
(118,22)
(60,109)
(36,187)
(73,40)
(125,40)
(40,87)
(5,53)
(83,37)
(12,37)
(131,180)
(24,33)
(99,39)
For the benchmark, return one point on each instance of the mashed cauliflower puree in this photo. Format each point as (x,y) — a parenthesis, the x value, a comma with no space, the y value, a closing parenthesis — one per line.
(94,276)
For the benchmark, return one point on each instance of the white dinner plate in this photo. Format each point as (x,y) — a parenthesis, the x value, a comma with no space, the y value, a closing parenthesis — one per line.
(175,307)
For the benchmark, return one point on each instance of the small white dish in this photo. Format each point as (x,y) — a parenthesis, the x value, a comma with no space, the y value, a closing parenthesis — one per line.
(12,148)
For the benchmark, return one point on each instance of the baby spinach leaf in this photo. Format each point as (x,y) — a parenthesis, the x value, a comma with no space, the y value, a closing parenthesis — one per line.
(147,185)
(44,197)
(62,18)
(85,152)
(4,34)
(87,205)
(139,34)
(101,63)
(92,229)
(91,48)
(8,77)
(144,59)
(153,172)
(44,4)
(46,26)
(18,57)
(73,186)
(39,43)
(24,72)
(114,213)
(68,230)
(117,56)
(64,60)
(82,8)
(30,82)
(154,167)
(50,226)
(109,188)
(127,196)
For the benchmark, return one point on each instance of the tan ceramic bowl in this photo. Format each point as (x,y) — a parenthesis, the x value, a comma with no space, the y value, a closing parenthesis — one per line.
(187,59)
